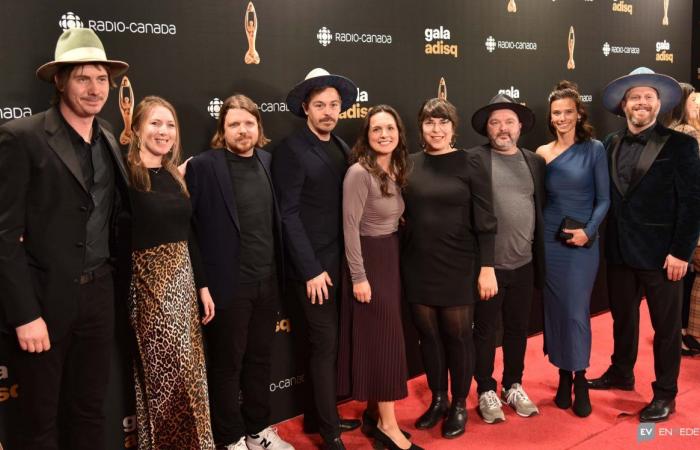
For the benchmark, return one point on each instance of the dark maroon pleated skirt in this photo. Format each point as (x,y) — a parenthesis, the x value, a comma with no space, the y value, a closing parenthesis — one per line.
(372,352)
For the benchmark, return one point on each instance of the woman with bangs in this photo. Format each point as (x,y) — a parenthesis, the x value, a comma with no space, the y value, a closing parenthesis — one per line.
(172,404)
(449,234)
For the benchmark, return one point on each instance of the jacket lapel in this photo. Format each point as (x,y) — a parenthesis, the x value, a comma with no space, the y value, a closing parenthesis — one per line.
(321,153)
(116,154)
(223,177)
(647,158)
(59,141)
(615,142)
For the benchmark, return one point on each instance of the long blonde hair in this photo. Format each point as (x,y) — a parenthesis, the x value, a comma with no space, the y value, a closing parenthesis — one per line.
(138,173)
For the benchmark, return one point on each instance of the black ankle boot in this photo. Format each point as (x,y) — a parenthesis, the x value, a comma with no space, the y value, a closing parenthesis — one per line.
(563,397)
(436,411)
(582,403)
(456,420)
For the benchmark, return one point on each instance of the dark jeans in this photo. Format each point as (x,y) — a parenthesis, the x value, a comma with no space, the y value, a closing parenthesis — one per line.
(446,345)
(239,350)
(512,305)
(626,286)
(79,363)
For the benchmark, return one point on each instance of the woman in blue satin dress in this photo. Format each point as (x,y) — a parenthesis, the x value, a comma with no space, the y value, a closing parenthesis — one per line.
(577,185)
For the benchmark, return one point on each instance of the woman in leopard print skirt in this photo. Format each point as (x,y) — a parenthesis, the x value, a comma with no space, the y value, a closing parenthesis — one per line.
(172,404)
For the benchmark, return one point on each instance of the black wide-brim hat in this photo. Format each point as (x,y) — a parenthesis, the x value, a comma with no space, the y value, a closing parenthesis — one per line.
(502,101)
(669,90)
(319,78)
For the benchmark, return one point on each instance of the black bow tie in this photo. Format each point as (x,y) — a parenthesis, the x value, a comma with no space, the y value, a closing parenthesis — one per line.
(636,139)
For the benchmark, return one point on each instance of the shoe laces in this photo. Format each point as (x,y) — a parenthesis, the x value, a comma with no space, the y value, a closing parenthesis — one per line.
(516,394)
(491,399)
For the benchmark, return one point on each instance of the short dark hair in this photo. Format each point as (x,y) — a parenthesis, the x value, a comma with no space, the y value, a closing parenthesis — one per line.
(64,72)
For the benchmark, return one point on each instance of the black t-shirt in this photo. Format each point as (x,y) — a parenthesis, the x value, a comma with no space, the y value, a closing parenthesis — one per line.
(254,203)
(336,154)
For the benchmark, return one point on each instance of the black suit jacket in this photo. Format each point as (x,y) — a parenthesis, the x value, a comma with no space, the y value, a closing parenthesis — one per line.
(44,208)
(215,221)
(536,164)
(660,212)
(310,193)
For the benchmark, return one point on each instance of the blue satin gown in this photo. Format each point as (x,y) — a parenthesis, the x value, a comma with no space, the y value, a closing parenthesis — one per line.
(577,185)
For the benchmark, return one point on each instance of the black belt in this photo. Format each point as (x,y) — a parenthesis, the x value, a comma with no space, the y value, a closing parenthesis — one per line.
(89,277)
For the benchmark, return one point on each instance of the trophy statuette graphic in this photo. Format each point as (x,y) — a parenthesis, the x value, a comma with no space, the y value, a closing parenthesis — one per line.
(251,30)
(442,89)
(126,108)
(512,7)
(664,21)
(571,43)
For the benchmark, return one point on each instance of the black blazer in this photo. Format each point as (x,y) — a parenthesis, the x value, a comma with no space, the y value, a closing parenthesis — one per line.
(44,202)
(536,164)
(310,193)
(660,212)
(215,222)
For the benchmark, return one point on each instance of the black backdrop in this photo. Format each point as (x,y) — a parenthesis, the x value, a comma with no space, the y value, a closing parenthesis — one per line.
(192,53)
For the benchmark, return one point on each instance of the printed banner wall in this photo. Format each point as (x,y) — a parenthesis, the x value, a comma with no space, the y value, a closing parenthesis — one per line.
(196,53)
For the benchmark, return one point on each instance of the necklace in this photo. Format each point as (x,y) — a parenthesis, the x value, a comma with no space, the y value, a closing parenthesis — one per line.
(155,170)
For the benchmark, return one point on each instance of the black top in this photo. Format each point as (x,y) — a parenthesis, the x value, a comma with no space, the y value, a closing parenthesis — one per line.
(255,208)
(335,154)
(448,203)
(162,216)
(98,173)
(628,156)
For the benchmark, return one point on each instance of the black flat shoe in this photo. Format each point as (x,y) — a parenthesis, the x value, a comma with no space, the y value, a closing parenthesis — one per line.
(390,444)
(689,352)
(691,342)
(657,411)
(610,381)
(369,424)
(563,397)
(456,420)
(311,427)
(436,411)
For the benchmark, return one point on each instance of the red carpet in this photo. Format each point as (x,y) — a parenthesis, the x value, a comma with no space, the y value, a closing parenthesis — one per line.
(612,425)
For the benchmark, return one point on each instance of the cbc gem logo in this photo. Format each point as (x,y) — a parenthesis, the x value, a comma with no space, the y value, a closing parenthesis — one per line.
(324,36)
(214,107)
(70,20)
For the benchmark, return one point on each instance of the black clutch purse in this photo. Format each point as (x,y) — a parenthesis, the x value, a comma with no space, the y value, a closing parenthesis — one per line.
(573,224)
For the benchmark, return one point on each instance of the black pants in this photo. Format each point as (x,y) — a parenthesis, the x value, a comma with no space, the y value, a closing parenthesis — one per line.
(626,286)
(239,346)
(79,363)
(446,345)
(512,305)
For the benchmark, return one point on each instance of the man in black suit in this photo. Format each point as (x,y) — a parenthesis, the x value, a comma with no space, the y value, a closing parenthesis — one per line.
(517,175)
(62,174)
(308,169)
(239,235)
(653,227)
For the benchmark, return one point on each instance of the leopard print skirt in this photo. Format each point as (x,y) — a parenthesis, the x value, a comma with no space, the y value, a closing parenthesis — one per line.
(172,403)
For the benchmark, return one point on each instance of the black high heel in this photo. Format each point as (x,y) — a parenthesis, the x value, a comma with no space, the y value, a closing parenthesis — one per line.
(389,443)
(369,424)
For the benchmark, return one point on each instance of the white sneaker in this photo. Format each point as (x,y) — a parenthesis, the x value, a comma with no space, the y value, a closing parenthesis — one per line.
(490,407)
(519,401)
(267,439)
(238,445)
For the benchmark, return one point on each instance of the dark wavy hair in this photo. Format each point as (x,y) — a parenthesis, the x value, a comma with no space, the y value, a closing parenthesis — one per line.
(363,153)
(568,89)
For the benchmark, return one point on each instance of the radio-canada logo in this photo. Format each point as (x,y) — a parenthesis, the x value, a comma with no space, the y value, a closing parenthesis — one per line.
(70,20)
(492,44)
(324,36)
(619,50)
(438,42)
(214,107)
(663,51)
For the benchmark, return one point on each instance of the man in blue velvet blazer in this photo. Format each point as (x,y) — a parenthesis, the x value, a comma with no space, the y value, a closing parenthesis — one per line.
(652,230)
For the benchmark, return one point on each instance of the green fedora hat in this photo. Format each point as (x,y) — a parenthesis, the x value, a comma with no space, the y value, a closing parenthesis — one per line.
(79,46)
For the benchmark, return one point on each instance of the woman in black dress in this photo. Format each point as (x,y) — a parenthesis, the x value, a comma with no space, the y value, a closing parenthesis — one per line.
(449,234)
(172,404)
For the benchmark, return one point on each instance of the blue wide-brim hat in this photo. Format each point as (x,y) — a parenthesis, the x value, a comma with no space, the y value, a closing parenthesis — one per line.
(668,88)
(319,78)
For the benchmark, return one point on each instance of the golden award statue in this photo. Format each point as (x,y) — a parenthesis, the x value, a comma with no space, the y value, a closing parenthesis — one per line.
(126,107)
(664,21)
(251,30)
(571,42)
(512,7)
(442,89)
